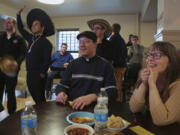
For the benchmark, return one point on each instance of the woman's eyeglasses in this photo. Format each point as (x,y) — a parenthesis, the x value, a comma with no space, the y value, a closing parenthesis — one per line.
(154,55)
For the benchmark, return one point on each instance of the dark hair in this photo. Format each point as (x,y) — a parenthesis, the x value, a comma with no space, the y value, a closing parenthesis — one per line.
(130,35)
(41,23)
(173,70)
(135,36)
(64,44)
(116,28)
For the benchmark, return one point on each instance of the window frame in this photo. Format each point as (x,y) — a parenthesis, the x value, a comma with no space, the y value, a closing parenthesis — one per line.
(58,45)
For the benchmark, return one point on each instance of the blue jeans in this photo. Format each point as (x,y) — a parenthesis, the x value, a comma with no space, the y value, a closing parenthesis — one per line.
(132,72)
(51,76)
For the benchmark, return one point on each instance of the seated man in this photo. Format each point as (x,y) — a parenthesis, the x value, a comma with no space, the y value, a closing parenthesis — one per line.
(58,59)
(85,76)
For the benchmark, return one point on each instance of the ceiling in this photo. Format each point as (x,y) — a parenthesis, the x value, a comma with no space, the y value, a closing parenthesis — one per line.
(90,7)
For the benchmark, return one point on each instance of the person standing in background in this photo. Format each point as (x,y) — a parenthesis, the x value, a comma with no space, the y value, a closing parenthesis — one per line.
(102,29)
(136,59)
(119,56)
(128,46)
(14,47)
(39,50)
(129,43)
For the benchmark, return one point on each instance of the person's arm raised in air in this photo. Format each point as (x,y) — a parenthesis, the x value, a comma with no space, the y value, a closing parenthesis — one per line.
(21,29)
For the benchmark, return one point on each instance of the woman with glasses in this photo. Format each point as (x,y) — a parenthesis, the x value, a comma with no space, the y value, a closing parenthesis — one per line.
(158,87)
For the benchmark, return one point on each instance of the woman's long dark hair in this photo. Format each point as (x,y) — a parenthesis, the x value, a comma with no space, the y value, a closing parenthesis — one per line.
(173,69)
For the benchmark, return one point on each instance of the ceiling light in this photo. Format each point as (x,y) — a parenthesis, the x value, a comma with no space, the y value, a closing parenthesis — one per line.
(51,1)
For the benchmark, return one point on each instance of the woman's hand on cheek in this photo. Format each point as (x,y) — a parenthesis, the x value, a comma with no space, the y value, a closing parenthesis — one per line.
(153,77)
(144,75)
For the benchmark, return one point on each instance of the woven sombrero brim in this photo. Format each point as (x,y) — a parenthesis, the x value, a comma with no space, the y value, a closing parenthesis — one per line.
(39,14)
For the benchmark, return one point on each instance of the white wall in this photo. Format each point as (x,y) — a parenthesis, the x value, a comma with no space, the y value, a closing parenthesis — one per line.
(1,24)
(172,16)
(127,22)
(129,25)
(147,32)
(160,8)
(7,10)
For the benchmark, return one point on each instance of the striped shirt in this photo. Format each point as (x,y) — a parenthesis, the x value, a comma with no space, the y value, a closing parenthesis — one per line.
(87,76)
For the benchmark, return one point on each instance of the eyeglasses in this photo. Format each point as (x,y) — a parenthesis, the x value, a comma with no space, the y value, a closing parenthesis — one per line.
(157,56)
(97,28)
(84,41)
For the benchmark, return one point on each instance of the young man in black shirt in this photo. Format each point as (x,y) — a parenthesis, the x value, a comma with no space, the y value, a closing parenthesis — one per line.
(102,29)
(11,45)
(85,76)
(39,50)
(119,56)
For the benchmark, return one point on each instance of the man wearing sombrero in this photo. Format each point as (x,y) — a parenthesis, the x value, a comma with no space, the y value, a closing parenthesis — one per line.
(39,50)
(103,30)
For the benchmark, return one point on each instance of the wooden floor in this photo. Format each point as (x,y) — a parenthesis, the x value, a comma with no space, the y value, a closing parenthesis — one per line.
(20,100)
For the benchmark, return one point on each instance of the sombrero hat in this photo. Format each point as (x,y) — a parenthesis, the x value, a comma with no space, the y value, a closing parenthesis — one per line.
(7,66)
(102,22)
(39,14)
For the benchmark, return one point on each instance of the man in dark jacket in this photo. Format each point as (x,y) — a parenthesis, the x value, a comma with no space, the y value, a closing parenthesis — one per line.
(11,45)
(85,76)
(119,56)
(39,50)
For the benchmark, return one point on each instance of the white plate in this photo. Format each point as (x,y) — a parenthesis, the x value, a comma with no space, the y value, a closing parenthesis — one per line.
(91,131)
(119,129)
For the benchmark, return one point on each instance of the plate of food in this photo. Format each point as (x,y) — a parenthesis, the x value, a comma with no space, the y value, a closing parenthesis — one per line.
(116,123)
(78,129)
(81,118)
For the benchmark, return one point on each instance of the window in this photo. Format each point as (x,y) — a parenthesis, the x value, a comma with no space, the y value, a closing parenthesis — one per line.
(68,36)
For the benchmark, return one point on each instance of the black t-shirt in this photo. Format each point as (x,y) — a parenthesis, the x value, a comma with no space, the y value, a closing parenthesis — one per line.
(15,46)
(105,50)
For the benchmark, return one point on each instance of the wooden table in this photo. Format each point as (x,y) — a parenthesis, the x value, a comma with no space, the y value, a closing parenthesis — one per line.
(52,119)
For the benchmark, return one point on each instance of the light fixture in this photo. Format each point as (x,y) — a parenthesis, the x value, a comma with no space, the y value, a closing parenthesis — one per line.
(51,1)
